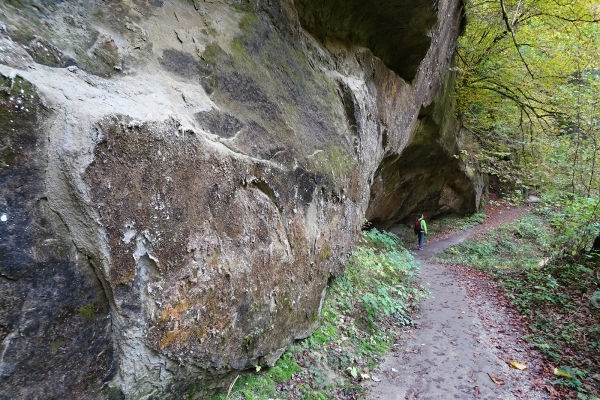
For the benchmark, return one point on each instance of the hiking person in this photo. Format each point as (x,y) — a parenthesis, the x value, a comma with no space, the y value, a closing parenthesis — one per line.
(421,230)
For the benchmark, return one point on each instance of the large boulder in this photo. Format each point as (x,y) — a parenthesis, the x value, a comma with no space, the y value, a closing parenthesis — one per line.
(180,179)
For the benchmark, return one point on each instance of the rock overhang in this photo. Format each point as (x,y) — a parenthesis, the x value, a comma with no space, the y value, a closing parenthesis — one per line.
(396,31)
(218,177)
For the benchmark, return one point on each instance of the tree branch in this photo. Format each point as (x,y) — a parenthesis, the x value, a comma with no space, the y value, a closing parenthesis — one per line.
(514,39)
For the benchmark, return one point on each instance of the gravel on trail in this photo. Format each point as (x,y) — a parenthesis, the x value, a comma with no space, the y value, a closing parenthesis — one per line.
(465,337)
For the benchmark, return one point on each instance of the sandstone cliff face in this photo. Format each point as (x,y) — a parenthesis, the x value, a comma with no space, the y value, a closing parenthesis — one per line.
(180,179)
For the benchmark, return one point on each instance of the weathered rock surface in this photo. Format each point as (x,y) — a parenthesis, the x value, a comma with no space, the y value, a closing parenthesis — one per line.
(180,179)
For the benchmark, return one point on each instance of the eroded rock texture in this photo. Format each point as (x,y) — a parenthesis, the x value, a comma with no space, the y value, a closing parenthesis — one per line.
(180,179)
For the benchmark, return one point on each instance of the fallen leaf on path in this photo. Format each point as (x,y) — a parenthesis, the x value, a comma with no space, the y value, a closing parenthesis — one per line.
(495,379)
(518,365)
(559,372)
(375,379)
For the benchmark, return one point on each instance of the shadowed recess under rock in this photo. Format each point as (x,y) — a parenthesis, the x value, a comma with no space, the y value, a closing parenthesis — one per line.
(395,31)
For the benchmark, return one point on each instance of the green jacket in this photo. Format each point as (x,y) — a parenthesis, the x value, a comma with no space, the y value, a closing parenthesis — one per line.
(423,226)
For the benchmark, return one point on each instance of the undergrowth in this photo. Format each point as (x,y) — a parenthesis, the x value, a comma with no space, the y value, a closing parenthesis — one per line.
(364,312)
(457,223)
(557,297)
(518,245)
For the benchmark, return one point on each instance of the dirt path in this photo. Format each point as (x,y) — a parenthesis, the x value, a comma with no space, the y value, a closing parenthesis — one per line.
(463,338)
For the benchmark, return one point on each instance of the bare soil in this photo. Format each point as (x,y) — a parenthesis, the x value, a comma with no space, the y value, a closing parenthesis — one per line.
(465,338)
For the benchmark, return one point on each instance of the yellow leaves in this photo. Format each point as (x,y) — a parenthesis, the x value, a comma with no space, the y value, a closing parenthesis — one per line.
(357,373)
(559,372)
(554,46)
(518,365)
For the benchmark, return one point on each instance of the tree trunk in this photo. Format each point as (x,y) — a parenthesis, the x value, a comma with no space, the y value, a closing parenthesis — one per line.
(596,245)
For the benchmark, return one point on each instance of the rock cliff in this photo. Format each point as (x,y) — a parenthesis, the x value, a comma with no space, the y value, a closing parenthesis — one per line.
(179,179)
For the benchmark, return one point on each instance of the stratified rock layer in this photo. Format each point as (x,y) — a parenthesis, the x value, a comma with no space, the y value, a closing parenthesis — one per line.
(180,179)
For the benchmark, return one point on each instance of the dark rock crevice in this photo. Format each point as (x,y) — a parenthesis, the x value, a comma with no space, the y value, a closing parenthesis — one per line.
(267,191)
(350,107)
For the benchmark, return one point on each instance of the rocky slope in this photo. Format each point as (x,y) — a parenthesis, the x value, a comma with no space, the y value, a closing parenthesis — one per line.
(180,179)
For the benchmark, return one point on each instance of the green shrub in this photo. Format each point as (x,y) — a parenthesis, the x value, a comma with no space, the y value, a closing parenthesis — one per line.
(381,272)
(520,244)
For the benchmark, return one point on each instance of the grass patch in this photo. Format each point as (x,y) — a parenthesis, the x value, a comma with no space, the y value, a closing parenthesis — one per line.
(557,298)
(364,312)
(515,246)
(456,223)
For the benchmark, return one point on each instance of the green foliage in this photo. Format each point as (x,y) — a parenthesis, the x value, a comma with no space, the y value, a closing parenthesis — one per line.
(575,222)
(284,368)
(251,387)
(380,271)
(595,299)
(575,381)
(528,90)
(457,223)
(382,241)
(512,246)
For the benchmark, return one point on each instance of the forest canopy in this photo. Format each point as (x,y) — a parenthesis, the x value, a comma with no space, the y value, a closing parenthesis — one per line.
(529,89)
